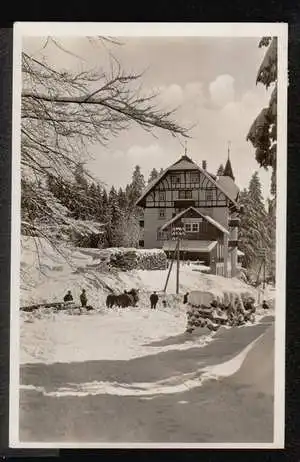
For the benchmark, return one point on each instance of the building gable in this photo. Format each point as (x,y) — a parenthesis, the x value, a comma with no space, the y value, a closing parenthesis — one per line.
(189,176)
(193,215)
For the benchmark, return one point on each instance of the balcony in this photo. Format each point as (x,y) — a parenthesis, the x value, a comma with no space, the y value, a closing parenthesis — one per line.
(184,203)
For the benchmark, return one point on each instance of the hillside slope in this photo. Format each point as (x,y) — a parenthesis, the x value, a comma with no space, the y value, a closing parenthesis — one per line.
(49,273)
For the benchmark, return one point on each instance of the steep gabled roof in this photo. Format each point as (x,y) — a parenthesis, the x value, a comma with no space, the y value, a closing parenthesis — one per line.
(206,217)
(182,163)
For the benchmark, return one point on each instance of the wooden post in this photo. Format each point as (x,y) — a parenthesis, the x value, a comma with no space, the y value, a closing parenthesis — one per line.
(225,255)
(178,263)
(170,269)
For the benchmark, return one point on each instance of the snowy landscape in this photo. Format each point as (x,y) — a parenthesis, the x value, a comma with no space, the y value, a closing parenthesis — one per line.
(147,271)
(54,338)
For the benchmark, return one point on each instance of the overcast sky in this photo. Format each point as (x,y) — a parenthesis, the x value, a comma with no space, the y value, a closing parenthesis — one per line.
(211,79)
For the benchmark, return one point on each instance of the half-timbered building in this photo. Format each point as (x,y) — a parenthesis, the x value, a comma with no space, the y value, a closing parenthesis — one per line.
(206,206)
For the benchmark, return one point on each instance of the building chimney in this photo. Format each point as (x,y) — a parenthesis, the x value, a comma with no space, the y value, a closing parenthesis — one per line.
(204,165)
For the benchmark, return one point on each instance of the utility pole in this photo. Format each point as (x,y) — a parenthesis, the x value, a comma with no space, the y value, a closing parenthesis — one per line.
(177,234)
(170,269)
(178,264)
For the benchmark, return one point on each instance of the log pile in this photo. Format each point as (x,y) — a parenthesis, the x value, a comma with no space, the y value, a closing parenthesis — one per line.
(55,306)
(205,310)
(129,259)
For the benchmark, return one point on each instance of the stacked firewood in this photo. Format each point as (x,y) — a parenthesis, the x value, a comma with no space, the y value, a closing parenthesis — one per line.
(129,259)
(213,314)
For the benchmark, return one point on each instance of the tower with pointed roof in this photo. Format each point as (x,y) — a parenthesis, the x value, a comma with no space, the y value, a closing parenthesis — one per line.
(185,194)
(228,168)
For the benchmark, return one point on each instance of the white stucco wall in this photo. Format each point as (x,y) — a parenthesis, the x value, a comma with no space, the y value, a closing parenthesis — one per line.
(152,223)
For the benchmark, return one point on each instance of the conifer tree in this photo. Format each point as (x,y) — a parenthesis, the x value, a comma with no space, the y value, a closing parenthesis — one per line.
(254,229)
(136,187)
(153,175)
(220,171)
(263,132)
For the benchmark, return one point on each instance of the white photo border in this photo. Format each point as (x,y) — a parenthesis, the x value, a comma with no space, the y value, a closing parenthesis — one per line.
(238,30)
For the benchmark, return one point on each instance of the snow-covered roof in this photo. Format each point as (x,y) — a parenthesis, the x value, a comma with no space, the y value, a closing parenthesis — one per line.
(216,224)
(227,183)
(191,246)
(184,163)
(206,217)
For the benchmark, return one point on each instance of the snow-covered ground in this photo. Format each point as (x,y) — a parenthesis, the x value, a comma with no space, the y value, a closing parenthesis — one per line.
(118,334)
(174,384)
(46,277)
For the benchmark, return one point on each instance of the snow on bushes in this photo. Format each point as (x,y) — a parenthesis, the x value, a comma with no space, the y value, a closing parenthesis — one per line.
(205,309)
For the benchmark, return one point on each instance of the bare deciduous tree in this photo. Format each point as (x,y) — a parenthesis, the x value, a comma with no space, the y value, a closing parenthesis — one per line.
(63,112)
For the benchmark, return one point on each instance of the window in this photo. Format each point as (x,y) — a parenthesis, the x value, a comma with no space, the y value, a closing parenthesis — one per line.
(175,178)
(209,195)
(188,227)
(161,213)
(185,194)
(161,235)
(142,223)
(194,177)
(141,244)
(162,196)
(195,227)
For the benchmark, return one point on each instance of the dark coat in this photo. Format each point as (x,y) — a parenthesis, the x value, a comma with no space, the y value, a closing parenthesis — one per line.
(185,298)
(83,298)
(68,298)
(153,298)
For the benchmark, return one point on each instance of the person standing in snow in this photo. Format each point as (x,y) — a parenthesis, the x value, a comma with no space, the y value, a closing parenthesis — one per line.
(185,298)
(83,298)
(68,297)
(153,300)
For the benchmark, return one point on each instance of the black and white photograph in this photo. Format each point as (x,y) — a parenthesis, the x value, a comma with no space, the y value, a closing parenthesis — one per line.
(148,235)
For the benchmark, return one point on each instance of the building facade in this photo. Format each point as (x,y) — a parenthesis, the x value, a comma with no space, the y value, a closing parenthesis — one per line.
(186,195)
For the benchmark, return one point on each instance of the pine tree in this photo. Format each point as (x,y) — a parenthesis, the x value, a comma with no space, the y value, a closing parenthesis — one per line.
(153,175)
(161,171)
(220,171)
(263,132)
(80,178)
(254,227)
(122,199)
(116,216)
(137,185)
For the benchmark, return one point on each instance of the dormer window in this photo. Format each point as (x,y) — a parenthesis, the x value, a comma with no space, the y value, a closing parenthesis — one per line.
(195,227)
